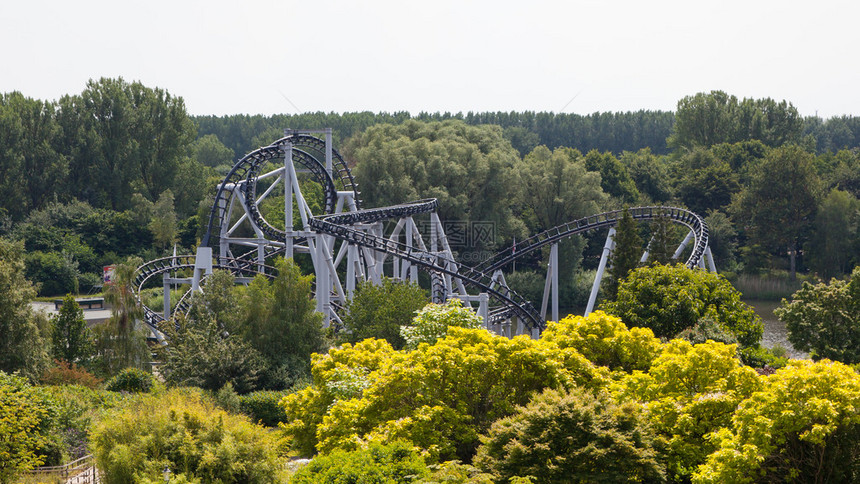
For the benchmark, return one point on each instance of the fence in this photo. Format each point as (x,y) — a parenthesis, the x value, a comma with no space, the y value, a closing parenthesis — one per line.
(80,471)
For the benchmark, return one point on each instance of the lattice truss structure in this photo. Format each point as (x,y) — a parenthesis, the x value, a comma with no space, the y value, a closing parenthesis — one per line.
(298,196)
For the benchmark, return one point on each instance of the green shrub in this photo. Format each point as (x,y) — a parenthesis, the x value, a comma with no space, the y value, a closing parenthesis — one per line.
(670,299)
(184,431)
(262,407)
(573,437)
(132,380)
(227,398)
(25,416)
(393,463)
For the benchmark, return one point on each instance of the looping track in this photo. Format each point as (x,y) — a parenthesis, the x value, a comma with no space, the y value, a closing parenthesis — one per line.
(307,151)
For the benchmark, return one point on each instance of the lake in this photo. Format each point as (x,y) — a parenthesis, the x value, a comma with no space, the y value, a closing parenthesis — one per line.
(774,329)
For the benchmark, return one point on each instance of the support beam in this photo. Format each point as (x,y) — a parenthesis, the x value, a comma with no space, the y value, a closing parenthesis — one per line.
(607,250)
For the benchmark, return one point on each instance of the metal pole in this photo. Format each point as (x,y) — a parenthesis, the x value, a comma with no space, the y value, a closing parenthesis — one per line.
(607,249)
(288,198)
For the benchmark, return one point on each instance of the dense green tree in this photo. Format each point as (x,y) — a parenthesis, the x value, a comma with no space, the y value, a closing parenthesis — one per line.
(722,240)
(706,119)
(163,222)
(626,255)
(279,319)
(205,348)
(24,335)
(210,151)
(379,310)
(557,188)
(661,246)
(824,319)
(650,173)
(669,299)
(23,414)
(126,136)
(70,338)
(182,431)
(41,169)
(706,183)
(614,178)
(834,242)
(469,169)
(432,322)
(394,463)
(121,340)
(800,426)
(778,205)
(574,437)
(56,272)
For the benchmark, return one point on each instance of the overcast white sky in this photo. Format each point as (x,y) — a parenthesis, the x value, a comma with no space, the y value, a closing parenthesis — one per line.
(271,56)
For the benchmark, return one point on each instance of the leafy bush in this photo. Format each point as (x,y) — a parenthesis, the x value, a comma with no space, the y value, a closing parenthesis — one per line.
(263,407)
(181,430)
(397,462)
(379,310)
(802,425)
(824,319)
(604,340)
(64,373)
(689,391)
(133,380)
(670,299)
(24,417)
(573,436)
(432,322)
(438,397)
(227,398)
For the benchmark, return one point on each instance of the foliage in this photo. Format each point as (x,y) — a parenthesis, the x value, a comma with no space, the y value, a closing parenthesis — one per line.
(56,272)
(779,203)
(379,310)
(614,177)
(670,299)
(574,436)
(439,397)
(70,338)
(393,463)
(133,380)
(801,425)
(835,240)
(705,119)
(206,347)
(433,320)
(605,341)
(182,431)
(23,413)
(263,407)
(279,320)
(689,391)
(120,341)
(227,398)
(23,334)
(824,319)
(65,373)
(626,255)
(469,169)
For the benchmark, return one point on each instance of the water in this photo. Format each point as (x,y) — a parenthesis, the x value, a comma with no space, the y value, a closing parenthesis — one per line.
(775,333)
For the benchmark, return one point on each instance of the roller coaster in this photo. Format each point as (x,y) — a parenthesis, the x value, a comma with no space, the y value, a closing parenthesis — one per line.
(348,244)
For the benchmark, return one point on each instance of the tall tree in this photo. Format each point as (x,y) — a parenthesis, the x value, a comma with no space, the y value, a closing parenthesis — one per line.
(627,253)
(24,335)
(778,205)
(121,340)
(834,243)
(614,177)
(70,338)
(279,320)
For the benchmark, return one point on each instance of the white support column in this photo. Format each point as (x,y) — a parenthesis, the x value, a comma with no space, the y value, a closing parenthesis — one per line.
(550,289)
(289,175)
(683,245)
(710,257)
(202,266)
(607,249)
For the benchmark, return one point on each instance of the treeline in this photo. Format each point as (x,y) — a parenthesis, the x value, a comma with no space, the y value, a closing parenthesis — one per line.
(127,160)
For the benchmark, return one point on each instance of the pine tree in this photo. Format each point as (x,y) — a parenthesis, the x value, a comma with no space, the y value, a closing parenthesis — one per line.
(627,253)
(70,338)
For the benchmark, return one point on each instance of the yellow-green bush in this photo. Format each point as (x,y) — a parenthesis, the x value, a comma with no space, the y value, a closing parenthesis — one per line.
(183,431)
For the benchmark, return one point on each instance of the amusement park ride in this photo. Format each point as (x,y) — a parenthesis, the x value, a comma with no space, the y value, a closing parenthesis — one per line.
(348,243)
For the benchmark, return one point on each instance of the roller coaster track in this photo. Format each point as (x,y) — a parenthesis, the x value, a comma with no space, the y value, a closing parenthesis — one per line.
(246,170)
(339,226)
(604,220)
(307,150)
